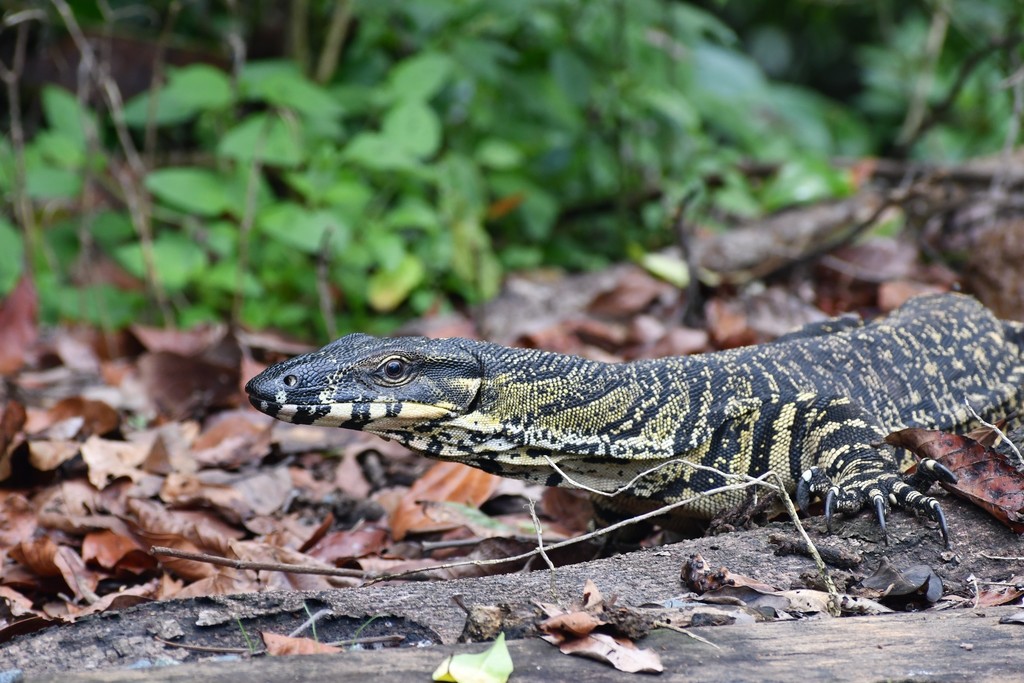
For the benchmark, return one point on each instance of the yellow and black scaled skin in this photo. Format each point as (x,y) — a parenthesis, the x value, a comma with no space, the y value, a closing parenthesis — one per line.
(813,406)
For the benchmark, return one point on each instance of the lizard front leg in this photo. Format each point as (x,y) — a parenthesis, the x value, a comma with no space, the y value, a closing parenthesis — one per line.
(847,465)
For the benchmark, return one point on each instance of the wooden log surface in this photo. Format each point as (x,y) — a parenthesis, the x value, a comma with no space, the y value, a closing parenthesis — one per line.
(953,645)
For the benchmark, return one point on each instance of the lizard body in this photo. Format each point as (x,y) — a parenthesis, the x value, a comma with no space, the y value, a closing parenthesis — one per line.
(813,406)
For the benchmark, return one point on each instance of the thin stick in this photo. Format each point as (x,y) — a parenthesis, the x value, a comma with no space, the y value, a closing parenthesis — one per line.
(998,431)
(754,481)
(690,634)
(255,566)
(834,601)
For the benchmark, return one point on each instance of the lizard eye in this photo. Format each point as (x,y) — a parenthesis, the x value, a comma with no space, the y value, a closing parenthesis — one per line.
(291,380)
(394,368)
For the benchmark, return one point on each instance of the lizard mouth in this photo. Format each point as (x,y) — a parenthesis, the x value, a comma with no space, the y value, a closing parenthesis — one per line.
(354,415)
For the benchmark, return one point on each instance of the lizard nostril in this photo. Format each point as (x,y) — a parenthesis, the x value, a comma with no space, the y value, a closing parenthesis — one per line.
(291,380)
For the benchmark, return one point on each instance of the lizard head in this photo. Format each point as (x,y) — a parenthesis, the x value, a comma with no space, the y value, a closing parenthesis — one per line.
(362,382)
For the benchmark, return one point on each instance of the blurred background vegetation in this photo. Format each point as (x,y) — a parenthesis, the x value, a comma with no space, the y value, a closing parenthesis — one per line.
(324,166)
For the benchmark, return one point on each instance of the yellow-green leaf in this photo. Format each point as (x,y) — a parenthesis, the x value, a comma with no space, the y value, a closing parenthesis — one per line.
(491,666)
(389,288)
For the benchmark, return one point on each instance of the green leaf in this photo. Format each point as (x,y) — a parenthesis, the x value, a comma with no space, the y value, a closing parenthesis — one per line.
(283,85)
(572,75)
(414,127)
(12,246)
(473,258)
(671,269)
(66,116)
(493,665)
(48,183)
(60,150)
(267,137)
(194,190)
(302,228)
(389,288)
(176,258)
(420,77)
(413,212)
(377,153)
(189,91)
(805,179)
(498,154)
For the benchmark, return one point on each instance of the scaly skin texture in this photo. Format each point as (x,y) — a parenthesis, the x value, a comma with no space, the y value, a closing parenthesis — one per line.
(812,406)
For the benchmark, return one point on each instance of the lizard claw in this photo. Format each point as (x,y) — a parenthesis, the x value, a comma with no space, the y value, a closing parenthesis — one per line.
(830,508)
(880,514)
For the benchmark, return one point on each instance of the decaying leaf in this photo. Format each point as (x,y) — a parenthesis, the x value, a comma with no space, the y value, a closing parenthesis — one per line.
(619,652)
(493,665)
(985,476)
(1003,594)
(278,645)
(12,419)
(601,632)
(18,328)
(698,576)
(918,584)
(444,481)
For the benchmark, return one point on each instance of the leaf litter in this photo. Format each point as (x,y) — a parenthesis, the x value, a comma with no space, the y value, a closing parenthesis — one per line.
(113,443)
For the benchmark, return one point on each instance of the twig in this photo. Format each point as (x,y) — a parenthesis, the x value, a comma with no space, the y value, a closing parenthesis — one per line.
(753,481)
(540,535)
(967,67)
(323,284)
(337,31)
(206,648)
(137,200)
(1002,558)
(628,485)
(368,640)
(11,77)
(310,622)
(298,33)
(157,82)
(255,566)
(690,634)
(996,429)
(834,600)
(923,84)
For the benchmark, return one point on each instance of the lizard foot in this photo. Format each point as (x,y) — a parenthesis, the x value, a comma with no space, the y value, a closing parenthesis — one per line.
(880,489)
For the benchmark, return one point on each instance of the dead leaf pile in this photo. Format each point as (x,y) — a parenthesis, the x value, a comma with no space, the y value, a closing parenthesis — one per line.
(599,630)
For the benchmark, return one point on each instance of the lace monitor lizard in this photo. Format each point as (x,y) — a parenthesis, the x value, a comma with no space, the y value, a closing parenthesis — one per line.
(813,406)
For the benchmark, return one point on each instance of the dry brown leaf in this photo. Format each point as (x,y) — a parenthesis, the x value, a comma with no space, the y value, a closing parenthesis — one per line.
(286,645)
(192,342)
(108,459)
(444,481)
(114,551)
(221,581)
(232,439)
(254,551)
(46,558)
(18,326)
(571,625)
(635,290)
(12,420)
(990,596)
(129,596)
(19,519)
(97,418)
(571,509)
(984,476)
(182,386)
(154,525)
(46,456)
(338,547)
(235,495)
(619,652)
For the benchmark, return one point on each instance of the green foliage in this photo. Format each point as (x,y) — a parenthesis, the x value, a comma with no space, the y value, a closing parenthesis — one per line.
(457,140)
